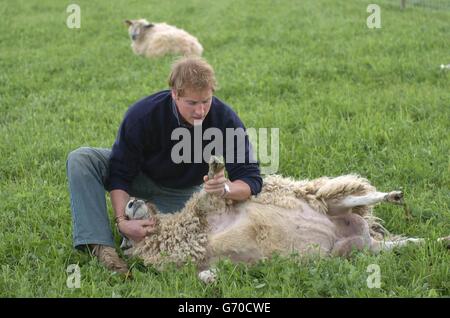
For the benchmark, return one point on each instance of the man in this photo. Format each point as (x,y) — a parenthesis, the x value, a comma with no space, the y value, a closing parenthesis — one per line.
(146,161)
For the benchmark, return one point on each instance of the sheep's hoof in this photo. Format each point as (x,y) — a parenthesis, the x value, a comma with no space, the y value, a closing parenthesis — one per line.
(395,197)
(445,241)
(215,165)
(208,277)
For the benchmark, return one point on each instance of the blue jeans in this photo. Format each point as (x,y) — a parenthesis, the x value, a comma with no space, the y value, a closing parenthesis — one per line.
(87,172)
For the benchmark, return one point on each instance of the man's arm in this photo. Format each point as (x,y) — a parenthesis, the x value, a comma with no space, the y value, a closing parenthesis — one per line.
(119,200)
(239,191)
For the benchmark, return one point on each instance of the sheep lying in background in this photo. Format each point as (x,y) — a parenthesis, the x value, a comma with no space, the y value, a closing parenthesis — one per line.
(158,39)
(325,216)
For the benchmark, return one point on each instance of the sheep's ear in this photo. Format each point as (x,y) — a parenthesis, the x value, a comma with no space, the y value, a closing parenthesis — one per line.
(128,22)
(148,26)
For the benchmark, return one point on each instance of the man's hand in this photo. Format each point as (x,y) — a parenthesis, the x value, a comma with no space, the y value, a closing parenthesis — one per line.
(137,230)
(215,186)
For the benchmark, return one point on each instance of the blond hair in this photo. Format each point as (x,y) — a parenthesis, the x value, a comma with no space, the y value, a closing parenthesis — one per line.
(192,73)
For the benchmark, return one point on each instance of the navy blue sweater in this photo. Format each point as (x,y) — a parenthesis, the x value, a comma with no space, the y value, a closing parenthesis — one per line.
(144,144)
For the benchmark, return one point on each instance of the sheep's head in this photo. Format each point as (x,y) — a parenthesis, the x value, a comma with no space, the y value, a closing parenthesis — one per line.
(139,210)
(136,28)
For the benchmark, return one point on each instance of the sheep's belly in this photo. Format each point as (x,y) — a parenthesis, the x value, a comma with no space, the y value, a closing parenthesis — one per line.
(224,221)
(309,230)
(275,229)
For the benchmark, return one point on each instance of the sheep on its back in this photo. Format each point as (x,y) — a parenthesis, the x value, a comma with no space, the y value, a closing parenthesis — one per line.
(158,39)
(324,217)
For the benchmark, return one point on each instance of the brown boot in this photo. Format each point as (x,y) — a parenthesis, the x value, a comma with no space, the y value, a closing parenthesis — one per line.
(108,256)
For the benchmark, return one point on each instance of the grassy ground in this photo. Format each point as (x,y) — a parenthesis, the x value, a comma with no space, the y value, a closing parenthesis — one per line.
(346,98)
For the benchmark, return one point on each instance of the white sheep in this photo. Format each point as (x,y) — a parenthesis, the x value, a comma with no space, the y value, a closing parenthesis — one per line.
(158,39)
(325,216)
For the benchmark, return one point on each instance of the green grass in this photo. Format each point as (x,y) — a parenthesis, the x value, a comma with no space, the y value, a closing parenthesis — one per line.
(345,98)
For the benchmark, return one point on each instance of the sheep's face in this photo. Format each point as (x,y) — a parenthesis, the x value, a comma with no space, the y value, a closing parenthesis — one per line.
(137,28)
(137,210)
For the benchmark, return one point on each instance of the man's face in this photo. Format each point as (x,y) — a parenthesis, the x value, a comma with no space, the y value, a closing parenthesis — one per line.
(193,105)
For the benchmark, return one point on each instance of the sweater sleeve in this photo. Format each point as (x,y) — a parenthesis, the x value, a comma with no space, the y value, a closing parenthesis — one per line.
(239,159)
(127,154)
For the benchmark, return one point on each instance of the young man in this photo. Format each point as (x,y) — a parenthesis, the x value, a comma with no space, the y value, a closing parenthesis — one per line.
(148,161)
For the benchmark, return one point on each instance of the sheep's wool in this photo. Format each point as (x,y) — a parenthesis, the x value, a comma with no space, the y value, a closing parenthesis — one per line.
(162,39)
(185,236)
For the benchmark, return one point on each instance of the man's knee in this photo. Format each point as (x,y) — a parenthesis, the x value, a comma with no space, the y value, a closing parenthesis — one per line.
(79,158)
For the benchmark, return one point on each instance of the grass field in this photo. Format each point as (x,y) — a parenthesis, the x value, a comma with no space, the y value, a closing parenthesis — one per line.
(346,98)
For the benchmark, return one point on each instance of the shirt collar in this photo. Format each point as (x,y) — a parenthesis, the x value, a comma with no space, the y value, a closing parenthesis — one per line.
(181,122)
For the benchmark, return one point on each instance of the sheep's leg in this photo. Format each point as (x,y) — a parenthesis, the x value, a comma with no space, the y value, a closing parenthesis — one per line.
(215,165)
(445,241)
(205,200)
(351,201)
(378,246)
(389,245)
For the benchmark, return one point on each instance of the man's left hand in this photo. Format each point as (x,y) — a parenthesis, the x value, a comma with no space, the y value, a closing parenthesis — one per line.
(216,185)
